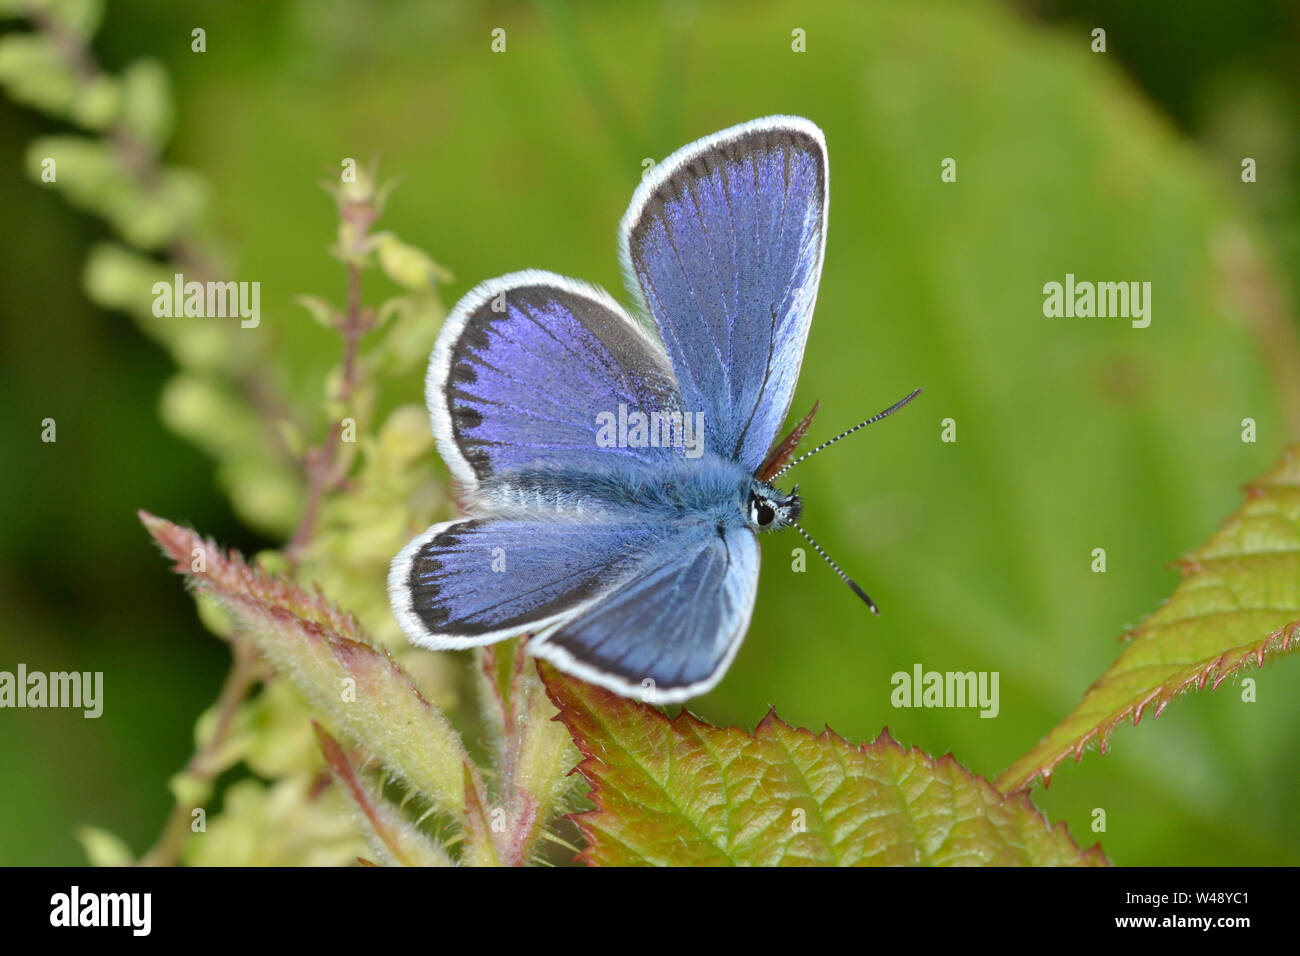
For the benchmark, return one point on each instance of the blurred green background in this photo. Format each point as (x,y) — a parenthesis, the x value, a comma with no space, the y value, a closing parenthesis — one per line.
(1072,434)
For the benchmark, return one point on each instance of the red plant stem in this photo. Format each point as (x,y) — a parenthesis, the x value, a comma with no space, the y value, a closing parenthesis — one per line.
(323,474)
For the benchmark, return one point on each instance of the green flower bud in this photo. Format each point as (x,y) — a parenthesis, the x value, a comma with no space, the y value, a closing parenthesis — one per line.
(406,265)
(103,848)
(34,74)
(97,103)
(147,102)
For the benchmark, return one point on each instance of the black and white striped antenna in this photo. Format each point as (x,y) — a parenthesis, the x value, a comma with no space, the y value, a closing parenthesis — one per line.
(845,434)
(853,585)
(838,570)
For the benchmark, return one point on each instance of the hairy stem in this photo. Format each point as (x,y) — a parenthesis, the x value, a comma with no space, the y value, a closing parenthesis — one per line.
(242,677)
(323,473)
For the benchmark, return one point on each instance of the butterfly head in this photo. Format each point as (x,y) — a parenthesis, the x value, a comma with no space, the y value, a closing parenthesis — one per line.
(769,510)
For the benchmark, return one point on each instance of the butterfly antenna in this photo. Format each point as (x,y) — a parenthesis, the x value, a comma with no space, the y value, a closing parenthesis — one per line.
(845,434)
(838,570)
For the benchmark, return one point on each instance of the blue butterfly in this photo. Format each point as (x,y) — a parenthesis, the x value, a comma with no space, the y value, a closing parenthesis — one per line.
(615,475)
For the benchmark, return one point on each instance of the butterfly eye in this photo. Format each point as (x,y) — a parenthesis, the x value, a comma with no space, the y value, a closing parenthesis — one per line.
(764,515)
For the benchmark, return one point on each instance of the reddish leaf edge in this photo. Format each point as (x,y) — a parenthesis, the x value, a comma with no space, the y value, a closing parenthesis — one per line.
(233,580)
(232,576)
(1270,647)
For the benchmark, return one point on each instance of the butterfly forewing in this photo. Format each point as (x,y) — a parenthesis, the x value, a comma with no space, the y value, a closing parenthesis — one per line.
(524,367)
(724,244)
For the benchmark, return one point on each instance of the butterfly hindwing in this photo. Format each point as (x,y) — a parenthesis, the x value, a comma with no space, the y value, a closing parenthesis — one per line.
(724,243)
(613,601)
(524,366)
(477,580)
(672,625)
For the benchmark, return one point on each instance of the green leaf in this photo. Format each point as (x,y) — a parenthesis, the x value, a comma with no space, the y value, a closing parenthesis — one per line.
(97,103)
(98,177)
(408,266)
(82,17)
(1238,604)
(210,411)
(683,793)
(33,73)
(146,101)
(104,848)
(322,310)
(395,839)
(326,653)
(533,753)
(542,761)
(288,822)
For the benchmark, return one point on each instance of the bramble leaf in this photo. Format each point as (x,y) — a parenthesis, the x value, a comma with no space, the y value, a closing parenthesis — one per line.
(1238,603)
(331,659)
(680,792)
